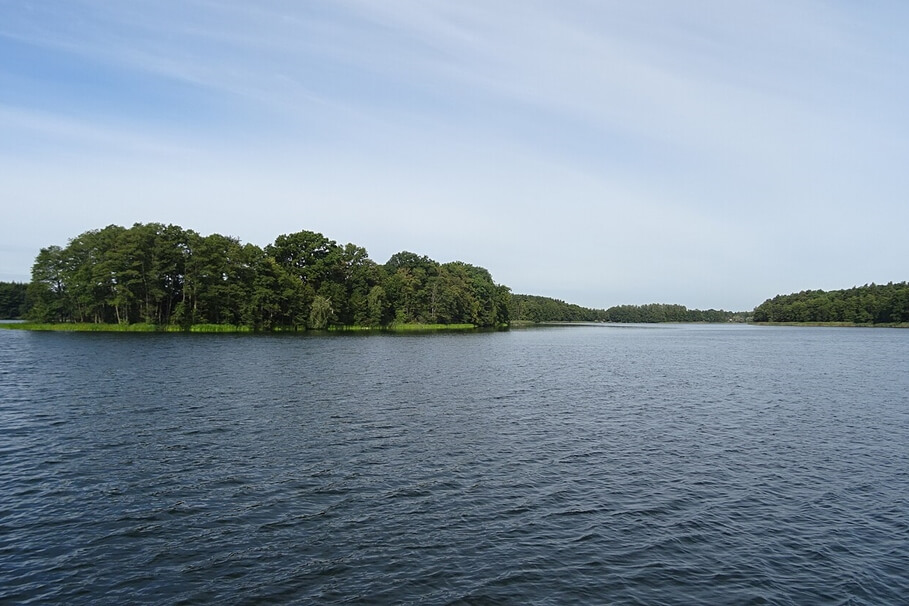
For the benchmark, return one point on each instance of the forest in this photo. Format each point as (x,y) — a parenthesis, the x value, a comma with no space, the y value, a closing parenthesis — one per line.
(661,312)
(13,301)
(166,275)
(868,304)
(533,308)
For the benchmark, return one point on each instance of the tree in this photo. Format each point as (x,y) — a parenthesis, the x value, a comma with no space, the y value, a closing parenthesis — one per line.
(167,275)
(12,300)
(305,254)
(47,289)
(377,306)
(321,314)
(868,304)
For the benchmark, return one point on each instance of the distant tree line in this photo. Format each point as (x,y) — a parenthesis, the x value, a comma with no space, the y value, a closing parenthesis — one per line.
(662,312)
(869,304)
(13,303)
(167,275)
(533,308)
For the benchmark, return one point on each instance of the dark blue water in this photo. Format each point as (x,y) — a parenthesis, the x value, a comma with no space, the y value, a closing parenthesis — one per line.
(661,465)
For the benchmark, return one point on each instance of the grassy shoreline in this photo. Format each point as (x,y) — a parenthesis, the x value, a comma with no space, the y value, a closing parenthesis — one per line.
(394,328)
(228,328)
(834,324)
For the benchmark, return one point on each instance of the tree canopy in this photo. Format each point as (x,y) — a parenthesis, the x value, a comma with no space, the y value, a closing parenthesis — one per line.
(13,303)
(868,304)
(167,275)
(533,308)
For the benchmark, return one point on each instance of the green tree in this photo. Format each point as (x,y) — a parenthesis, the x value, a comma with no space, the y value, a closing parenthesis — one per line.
(321,314)
(13,297)
(378,308)
(308,255)
(168,275)
(47,290)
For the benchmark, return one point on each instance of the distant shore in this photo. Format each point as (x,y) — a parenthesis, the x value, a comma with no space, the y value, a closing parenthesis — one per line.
(395,328)
(835,324)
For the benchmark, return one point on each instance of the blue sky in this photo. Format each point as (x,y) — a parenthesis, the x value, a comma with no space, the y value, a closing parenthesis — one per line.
(707,153)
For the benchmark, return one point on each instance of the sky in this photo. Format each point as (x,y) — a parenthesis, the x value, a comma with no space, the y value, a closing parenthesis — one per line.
(705,153)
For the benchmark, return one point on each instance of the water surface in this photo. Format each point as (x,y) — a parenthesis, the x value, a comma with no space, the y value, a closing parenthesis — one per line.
(626,465)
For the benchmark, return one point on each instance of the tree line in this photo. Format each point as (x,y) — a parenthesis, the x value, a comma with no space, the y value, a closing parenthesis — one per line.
(868,304)
(13,301)
(663,312)
(166,275)
(533,308)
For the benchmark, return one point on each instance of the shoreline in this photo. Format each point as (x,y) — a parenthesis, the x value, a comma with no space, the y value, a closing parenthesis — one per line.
(835,324)
(394,328)
(227,328)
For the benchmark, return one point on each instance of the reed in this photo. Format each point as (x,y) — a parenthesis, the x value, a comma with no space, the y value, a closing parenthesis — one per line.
(82,327)
(225,328)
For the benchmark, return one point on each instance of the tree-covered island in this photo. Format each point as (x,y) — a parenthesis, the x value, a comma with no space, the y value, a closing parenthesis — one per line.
(166,277)
(163,277)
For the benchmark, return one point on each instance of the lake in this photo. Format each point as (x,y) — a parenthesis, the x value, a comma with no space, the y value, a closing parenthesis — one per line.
(587,464)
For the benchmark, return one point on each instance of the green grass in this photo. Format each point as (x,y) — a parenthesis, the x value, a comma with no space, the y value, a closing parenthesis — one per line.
(83,327)
(221,328)
(90,327)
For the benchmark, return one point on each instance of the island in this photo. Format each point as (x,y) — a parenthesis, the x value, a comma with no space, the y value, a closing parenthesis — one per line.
(157,277)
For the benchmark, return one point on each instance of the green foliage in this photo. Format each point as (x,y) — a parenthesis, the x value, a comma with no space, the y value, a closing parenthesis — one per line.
(869,304)
(321,314)
(378,309)
(139,327)
(661,312)
(84,327)
(13,300)
(165,276)
(529,308)
(532,308)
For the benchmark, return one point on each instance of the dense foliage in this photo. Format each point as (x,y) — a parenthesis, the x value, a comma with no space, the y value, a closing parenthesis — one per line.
(12,300)
(167,275)
(869,304)
(544,309)
(532,308)
(661,312)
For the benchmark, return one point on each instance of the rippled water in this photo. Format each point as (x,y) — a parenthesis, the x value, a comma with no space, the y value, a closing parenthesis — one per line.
(658,465)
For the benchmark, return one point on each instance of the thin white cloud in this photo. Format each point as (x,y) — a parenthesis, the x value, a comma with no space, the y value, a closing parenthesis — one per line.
(604,148)
(62,132)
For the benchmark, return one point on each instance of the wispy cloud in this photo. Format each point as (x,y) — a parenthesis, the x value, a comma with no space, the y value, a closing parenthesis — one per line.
(697,146)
